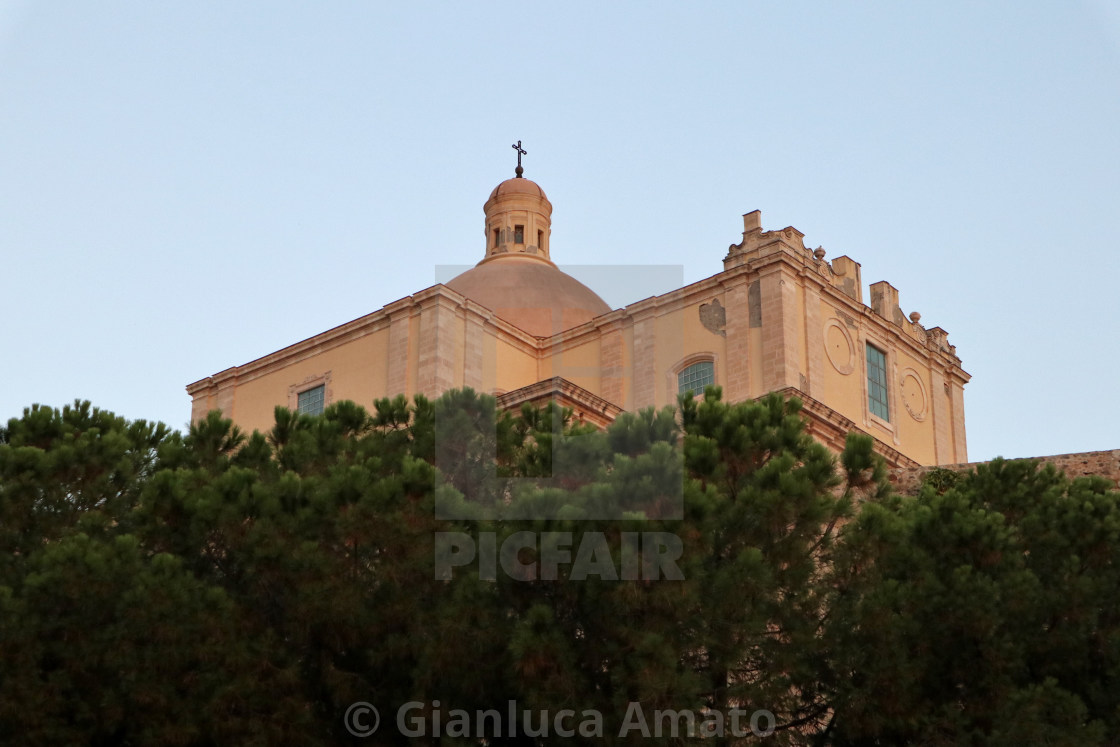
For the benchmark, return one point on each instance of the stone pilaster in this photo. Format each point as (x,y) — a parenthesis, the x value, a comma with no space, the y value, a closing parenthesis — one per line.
(737,366)
(956,397)
(203,401)
(780,339)
(226,383)
(398,379)
(645,360)
(814,340)
(940,401)
(473,350)
(437,347)
(612,366)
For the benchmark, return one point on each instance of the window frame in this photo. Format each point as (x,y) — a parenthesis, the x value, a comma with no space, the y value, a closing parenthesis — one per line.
(885,385)
(309,383)
(321,390)
(673,382)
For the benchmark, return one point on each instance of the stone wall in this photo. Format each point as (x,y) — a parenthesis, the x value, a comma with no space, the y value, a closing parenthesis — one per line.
(1102,463)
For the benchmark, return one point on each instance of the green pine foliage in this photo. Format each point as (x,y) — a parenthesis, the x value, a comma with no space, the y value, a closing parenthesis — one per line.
(221,587)
(986,613)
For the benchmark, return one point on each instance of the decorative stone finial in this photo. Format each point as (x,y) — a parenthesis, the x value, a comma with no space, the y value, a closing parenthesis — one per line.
(819,253)
(915,316)
(520,152)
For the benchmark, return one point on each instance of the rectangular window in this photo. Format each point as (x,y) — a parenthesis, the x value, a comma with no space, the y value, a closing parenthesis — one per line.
(877,383)
(497,237)
(519,234)
(311,402)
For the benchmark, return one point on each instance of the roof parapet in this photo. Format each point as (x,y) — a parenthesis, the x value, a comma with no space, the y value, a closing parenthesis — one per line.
(843,273)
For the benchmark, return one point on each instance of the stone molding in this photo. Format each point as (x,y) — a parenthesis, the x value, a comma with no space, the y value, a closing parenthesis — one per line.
(588,407)
(428,299)
(323,379)
(844,368)
(674,371)
(763,248)
(917,410)
(831,428)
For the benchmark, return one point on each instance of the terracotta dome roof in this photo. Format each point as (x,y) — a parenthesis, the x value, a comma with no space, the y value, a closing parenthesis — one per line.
(518,185)
(530,293)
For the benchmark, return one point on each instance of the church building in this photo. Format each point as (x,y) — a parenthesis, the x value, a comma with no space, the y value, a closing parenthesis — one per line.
(778,318)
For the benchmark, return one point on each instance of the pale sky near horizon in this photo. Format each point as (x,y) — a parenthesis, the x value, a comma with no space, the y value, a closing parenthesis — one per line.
(186,187)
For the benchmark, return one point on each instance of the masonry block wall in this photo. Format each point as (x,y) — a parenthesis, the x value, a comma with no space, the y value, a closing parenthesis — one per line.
(1106,464)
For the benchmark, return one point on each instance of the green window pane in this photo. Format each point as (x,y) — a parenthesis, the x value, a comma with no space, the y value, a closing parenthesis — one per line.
(696,377)
(877,383)
(311,402)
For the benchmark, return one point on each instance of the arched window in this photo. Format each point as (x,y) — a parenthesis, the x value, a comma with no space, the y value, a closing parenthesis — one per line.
(695,377)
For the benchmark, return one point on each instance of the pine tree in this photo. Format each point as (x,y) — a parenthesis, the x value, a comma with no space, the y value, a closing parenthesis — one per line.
(219,587)
(985,614)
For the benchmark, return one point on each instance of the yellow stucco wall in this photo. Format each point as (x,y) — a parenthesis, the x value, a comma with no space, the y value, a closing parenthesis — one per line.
(681,338)
(357,372)
(912,433)
(842,391)
(513,368)
(577,361)
(916,433)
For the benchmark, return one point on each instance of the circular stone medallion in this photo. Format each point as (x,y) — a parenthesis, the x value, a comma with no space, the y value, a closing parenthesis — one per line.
(838,346)
(914,394)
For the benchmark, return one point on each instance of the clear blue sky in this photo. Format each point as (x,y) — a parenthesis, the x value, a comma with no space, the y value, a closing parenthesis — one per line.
(187,186)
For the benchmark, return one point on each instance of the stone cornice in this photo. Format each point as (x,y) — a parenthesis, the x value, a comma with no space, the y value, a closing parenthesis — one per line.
(433,296)
(776,255)
(790,255)
(502,329)
(648,307)
(687,295)
(821,416)
(865,314)
(734,277)
(588,405)
(780,258)
(332,338)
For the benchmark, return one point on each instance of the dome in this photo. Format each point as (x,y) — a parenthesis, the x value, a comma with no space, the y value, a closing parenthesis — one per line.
(516,278)
(519,185)
(530,293)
